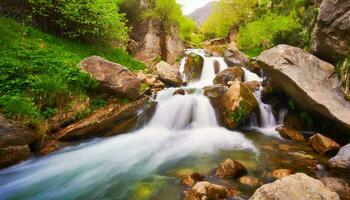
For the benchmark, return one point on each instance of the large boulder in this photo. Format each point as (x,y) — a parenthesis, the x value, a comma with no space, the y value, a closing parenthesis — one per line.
(14,142)
(234,57)
(308,80)
(233,104)
(193,67)
(169,74)
(342,160)
(331,37)
(113,77)
(229,74)
(205,190)
(298,186)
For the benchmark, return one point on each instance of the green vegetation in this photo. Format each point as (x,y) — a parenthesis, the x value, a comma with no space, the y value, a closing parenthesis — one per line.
(39,73)
(263,23)
(88,20)
(241,113)
(343,71)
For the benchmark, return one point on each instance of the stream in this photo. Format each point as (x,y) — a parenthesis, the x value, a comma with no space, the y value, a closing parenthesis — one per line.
(182,137)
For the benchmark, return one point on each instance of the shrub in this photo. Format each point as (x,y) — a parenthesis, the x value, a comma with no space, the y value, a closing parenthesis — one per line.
(85,19)
(343,71)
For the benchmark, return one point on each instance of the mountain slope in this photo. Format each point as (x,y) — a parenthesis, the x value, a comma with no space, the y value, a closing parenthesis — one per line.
(201,14)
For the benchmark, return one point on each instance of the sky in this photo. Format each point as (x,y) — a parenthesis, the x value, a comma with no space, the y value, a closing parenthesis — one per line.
(189,6)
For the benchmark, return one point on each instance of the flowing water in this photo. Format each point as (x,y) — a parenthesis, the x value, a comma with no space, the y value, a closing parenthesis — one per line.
(182,137)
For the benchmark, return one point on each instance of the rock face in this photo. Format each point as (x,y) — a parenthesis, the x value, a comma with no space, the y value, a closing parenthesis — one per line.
(147,43)
(230,169)
(234,57)
(169,74)
(307,80)
(298,186)
(229,74)
(322,144)
(234,104)
(342,160)
(206,190)
(331,37)
(290,134)
(97,124)
(14,143)
(193,67)
(113,77)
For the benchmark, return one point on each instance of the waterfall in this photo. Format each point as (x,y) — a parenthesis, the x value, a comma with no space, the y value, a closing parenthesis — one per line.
(182,126)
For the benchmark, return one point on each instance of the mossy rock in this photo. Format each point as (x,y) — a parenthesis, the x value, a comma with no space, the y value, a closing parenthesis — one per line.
(193,67)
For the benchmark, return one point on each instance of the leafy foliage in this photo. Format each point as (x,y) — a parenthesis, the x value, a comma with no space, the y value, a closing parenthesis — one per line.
(85,19)
(39,73)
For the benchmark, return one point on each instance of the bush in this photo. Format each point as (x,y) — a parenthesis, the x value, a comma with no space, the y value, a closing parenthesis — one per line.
(84,19)
(343,71)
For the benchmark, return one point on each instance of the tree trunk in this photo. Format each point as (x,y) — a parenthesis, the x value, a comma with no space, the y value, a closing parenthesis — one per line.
(162,42)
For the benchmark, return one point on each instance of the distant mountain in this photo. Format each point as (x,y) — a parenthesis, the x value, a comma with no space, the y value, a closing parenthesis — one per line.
(201,14)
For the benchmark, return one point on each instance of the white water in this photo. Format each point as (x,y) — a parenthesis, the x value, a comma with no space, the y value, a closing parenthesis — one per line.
(183,126)
(268,121)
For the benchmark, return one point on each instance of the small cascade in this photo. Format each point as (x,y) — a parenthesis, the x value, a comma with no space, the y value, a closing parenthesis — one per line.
(267,121)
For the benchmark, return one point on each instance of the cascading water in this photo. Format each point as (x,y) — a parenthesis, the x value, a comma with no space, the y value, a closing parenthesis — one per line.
(183,127)
(268,121)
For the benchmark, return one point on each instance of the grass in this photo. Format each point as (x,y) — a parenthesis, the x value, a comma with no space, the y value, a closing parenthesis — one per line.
(39,72)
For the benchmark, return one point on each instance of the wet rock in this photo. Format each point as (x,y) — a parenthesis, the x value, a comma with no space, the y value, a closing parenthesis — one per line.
(280,173)
(113,78)
(254,67)
(298,186)
(284,147)
(340,186)
(230,169)
(169,74)
(206,190)
(342,160)
(234,57)
(298,73)
(233,105)
(229,74)
(191,180)
(253,85)
(193,67)
(216,66)
(14,142)
(180,92)
(331,38)
(249,180)
(290,134)
(323,145)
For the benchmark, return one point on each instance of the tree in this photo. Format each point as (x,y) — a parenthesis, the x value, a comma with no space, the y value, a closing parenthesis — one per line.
(84,19)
